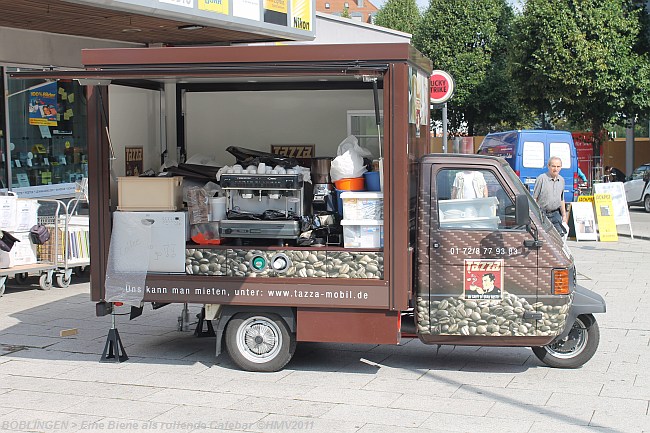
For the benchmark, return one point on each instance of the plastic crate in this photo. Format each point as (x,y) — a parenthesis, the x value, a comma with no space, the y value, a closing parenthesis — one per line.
(150,193)
(363,233)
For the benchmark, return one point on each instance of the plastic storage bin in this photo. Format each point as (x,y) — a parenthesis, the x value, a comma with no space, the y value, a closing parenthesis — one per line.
(363,233)
(372,181)
(362,205)
(150,193)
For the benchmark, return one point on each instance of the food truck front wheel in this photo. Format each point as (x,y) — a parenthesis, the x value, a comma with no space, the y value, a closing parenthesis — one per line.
(259,341)
(576,348)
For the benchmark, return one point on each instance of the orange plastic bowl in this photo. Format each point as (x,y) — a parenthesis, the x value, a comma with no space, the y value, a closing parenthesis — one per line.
(350,184)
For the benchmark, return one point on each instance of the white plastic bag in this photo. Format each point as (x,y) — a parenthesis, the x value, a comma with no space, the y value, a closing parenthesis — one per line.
(349,162)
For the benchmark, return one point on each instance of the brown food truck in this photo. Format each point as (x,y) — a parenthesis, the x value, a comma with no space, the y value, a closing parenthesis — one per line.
(455,250)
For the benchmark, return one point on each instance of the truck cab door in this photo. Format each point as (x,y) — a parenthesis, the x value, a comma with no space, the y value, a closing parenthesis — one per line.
(483,280)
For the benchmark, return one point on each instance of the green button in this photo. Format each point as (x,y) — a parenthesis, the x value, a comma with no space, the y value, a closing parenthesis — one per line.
(258,263)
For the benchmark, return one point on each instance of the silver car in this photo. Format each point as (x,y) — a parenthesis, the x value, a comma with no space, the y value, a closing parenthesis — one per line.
(637,187)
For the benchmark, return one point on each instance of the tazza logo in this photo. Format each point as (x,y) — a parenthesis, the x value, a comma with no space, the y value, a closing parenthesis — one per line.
(482,266)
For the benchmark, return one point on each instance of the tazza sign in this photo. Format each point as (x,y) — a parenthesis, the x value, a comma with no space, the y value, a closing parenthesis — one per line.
(442,87)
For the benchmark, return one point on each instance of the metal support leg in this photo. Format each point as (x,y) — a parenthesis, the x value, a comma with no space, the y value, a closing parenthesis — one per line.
(199,332)
(184,319)
(114,349)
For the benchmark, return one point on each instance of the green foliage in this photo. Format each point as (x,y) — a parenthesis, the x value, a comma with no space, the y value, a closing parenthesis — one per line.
(469,39)
(577,59)
(402,15)
(346,13)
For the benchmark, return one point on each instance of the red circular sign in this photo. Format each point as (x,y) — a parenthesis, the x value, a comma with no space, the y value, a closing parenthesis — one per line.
(442,87)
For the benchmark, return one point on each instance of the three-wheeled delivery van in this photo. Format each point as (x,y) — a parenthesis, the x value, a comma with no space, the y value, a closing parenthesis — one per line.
(528,151)
(409,260)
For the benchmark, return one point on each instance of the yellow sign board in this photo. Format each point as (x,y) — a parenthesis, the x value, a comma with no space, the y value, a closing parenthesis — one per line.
(605,217)
(301,14)
(217,6)
(281,6)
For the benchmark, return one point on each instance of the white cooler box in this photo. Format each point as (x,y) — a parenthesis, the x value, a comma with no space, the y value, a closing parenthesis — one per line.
(363,233)
(169,233)
(363,205)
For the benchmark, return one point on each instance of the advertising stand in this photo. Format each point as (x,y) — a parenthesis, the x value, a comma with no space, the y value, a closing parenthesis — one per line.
(412,260)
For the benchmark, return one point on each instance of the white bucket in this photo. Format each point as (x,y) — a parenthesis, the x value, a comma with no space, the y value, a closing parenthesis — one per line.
(217,208)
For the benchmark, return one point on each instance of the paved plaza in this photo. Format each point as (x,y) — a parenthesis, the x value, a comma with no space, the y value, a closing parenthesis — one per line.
(173,382)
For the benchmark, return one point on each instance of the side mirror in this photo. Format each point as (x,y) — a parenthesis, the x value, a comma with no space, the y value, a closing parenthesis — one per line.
(646,176)
(522,210)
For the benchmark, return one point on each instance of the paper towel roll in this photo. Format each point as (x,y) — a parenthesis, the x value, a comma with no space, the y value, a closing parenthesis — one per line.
(217,208)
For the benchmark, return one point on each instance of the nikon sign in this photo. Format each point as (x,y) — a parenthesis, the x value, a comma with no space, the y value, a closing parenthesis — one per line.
(285,19)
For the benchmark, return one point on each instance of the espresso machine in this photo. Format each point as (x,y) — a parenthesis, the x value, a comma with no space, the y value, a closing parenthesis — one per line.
(266,206)
(324,197)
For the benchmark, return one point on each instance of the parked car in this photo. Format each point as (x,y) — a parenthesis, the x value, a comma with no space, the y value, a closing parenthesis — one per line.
(637,187)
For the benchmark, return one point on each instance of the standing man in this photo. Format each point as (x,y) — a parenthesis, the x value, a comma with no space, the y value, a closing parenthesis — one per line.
(549,194)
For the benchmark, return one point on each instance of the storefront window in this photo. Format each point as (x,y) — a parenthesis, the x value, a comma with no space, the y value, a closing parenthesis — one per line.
(47,129)
(3,146)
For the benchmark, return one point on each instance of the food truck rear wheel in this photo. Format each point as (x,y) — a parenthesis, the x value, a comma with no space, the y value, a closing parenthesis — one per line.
(575,350)
(259,341)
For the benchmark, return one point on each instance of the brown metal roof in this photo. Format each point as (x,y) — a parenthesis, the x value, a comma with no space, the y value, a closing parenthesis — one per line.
(57,16)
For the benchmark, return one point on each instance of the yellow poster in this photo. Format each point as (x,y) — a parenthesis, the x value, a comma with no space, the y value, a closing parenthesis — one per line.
(276,5)
(587,198)
(605,217)
(301,14)
(217,6)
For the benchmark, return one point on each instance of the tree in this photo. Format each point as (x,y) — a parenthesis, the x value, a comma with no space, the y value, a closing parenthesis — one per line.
(462,37)
(577,59)
(346,13)
(402,15)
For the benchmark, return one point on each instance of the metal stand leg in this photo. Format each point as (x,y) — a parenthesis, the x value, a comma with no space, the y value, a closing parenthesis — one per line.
(199,332)
(184,319)
(114,349)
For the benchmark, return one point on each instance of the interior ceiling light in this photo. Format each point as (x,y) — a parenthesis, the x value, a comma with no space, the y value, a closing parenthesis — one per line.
(190,27)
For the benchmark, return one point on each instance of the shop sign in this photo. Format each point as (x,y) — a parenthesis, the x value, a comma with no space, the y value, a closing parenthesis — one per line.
(240,15)
(134,161)
(584,220)
(442,87)
(302,152)
(605,218)
(56,190)
(43,108)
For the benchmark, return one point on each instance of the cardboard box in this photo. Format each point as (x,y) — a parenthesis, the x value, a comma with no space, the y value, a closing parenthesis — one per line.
(149,193)
(8,212)
(26,214)
(22,253)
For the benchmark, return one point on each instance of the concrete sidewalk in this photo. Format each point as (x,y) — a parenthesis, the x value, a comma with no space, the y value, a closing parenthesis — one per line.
(172,381)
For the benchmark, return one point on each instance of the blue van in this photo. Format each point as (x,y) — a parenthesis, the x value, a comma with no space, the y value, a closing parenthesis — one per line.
(528,151)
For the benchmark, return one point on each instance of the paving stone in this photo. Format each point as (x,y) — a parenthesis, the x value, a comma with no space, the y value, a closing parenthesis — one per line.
(351,396)
(38,400)
(382,415)
(475,424)
(284,406)
(134,409)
